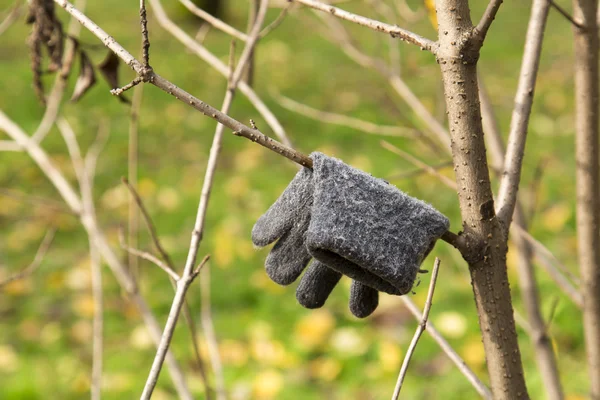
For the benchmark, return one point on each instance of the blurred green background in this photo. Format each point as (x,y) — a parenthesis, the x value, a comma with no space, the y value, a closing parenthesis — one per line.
(271,347)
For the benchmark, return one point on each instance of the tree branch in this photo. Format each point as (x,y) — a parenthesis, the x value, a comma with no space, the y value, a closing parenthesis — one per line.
(188,274)
(37,260)
(479,386)
(393,30)
(215,62)
(213,21)
(488,17)
(39,156)
(545,355)
(420,328)
(238,128)
(513,162)
(343,120)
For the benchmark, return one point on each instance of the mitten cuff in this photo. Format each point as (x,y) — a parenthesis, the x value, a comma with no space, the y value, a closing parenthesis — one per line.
(367,229)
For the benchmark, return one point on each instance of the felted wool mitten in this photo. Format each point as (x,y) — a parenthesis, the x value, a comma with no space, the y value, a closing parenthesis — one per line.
(287,220)
(367,229)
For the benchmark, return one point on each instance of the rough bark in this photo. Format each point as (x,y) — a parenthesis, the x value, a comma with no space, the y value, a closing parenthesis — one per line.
(487,245)
(588,191)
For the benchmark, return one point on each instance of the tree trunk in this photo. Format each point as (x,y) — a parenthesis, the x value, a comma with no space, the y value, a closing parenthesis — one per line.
(485,238)
(588,191)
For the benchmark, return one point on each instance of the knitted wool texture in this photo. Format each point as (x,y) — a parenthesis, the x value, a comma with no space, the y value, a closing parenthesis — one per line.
(367,229)
(287,220)
(352,224)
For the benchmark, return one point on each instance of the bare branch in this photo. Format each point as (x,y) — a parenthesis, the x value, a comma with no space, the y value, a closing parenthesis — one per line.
(343,120)
(169,267)
(148,221)
(12,16)
(39,156)
(419,171)
(448,350)
(37,200)
(420,328)
(149,257)
(412,159)
(394,31)
(565,14)
(276,22)
(37,260)
(545,354)
(188,274)
(341,37)
(91,158)
(145,39)
(98,323)
(214,62)
(132,175)
(238,128)
(209,332)
(488,17)
(509,185)
(214,22)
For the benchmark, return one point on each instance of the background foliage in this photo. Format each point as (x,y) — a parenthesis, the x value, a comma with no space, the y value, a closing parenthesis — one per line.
(271,347)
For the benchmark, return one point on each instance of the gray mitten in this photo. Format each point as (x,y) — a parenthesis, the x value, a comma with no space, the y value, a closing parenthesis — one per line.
(287,220)
(367,229)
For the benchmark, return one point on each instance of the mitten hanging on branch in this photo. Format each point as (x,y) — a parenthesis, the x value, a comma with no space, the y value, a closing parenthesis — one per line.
(352,224)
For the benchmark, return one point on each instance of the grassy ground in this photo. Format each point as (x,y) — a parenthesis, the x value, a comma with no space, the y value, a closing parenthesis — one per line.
(271,347)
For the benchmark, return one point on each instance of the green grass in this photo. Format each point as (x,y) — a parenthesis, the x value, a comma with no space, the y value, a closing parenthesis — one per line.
(45,347)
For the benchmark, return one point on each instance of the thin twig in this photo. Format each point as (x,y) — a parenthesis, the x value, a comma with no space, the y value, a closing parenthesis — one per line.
(213,21)
(462,366)
(488,17)
(339,35)
(37,200)
(238,128)
(149,257)
(37,260)
(420,328)
(553,267)
(545,354)
(149,224)
(169,267)
(394,31)
(58,180)
(12,16)
(412,159)
(565,14)
(419,171)
(343,120)
(276,22)
(132,175)
(188,274)
(210,335)
(91,158)
(145,39)
(215,62)
(513,162)
(98,323)
(119,91)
